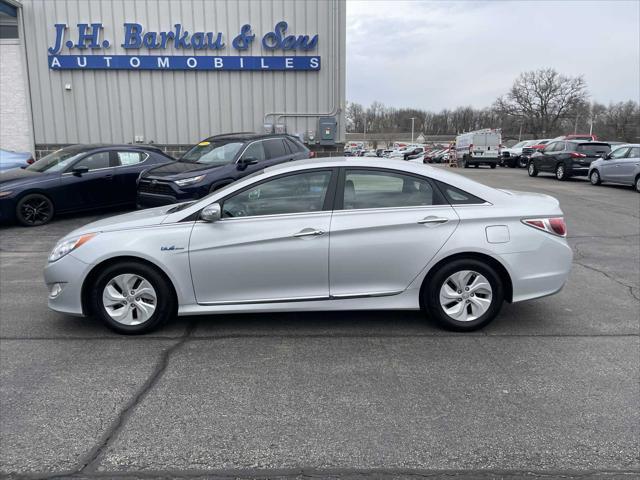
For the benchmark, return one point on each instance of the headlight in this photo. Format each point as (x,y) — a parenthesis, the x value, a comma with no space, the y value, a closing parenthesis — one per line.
(5,193)
(188,181)
(65,246)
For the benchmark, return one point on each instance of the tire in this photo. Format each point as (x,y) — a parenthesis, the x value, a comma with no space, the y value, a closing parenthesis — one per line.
(478,308)
(594,178)
(522,162)
(34,209)
(561,172)
(532,169)
(638,184)
(493,165)
(152,308)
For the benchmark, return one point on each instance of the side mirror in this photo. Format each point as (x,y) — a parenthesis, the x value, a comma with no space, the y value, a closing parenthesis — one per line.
(211,213)
(606,156)
(243,163)
(78,171)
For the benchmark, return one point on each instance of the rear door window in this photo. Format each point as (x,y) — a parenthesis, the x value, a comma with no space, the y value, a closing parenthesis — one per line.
(130,158)
(275,148)
(455,196)
(381,189)
(293,147)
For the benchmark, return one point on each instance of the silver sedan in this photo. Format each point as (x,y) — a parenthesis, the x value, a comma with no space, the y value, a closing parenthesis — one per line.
(334,234)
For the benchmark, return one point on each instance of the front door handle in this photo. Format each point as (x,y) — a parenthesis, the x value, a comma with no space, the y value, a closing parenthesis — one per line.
(308,232)
(433,220)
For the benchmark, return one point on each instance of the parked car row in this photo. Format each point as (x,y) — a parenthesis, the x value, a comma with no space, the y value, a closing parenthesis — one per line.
(88,177)
(595,159)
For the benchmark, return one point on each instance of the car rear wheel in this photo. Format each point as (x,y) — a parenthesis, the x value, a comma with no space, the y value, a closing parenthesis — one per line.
(34,209)
(533,171)
(464,295)
(522,162)
(595,178)
(493,165)
(561,172)
(132,298)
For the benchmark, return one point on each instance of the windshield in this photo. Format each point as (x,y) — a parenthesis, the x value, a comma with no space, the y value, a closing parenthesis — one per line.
(520,144)
(56,161)
(218,152)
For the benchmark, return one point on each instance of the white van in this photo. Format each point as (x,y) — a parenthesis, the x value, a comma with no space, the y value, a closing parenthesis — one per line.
(481,147)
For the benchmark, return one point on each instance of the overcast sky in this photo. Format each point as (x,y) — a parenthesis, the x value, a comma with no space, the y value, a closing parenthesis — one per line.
(435,55)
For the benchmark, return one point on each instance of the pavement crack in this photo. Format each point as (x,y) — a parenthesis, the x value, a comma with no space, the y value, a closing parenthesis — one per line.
(93,458)
(629,287)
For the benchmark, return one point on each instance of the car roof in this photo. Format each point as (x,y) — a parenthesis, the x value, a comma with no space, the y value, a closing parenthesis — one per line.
(83,147)
(247,136)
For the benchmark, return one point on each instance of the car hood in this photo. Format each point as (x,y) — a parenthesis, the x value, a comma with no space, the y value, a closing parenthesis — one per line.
(20,176)
(138,219)
(177,170)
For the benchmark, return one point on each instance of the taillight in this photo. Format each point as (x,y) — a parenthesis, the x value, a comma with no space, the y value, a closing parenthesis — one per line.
(31,161)
(553,225)
(312,154)
(578,155)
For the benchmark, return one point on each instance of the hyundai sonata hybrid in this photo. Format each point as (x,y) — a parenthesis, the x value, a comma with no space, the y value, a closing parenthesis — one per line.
(330,234)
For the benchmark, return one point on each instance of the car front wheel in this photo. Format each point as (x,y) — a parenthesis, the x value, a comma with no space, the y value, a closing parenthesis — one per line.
(638,184)
(34,209)
(594,177)
(464,295)
(132,298)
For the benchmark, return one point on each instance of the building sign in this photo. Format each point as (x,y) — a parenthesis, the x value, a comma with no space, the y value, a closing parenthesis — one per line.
(90,37)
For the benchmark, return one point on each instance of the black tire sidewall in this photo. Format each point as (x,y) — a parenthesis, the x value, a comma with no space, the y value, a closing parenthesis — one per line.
(531,169)
(594,172)
(431,294)
(166,307)
(29,196)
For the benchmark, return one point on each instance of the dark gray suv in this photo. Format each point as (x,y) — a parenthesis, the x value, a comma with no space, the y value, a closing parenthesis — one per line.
(214,163)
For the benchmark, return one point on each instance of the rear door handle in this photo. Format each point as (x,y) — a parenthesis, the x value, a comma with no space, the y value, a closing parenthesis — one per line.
(433,220)
(308,232)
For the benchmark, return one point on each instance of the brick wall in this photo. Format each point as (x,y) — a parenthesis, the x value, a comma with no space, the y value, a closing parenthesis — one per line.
(14,117)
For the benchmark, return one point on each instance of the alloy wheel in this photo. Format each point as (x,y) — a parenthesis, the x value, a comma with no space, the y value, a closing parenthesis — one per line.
(595,178)
(560,172)
(466,295)
(129,299)
(36,210)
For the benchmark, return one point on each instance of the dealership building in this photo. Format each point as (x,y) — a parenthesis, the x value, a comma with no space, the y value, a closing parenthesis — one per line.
(170,72)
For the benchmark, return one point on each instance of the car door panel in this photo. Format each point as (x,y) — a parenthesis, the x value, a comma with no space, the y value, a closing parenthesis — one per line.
(612,164)
(629,166)
(272,244)
(382,251)
(260,259)
(92,189)
(386,228)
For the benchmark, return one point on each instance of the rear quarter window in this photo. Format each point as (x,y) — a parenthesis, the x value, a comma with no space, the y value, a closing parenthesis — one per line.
(455,196)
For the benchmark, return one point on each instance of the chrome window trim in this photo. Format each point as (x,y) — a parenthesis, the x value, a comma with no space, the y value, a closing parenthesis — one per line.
(273,215)
(132,151)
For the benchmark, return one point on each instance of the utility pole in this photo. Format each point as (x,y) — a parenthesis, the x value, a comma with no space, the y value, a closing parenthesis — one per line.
(364,133)
(412,123)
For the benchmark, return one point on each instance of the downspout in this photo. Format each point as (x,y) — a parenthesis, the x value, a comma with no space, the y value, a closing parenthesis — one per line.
(335,81)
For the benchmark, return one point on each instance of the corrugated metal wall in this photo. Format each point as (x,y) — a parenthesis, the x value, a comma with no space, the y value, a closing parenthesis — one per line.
(180,107)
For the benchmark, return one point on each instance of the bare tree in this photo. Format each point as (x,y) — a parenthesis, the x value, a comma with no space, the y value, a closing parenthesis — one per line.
(543,98)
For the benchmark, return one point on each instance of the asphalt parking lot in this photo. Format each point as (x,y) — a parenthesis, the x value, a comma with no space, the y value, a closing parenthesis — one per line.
(550,388)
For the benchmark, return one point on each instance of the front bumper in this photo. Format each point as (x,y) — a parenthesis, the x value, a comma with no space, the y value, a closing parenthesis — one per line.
(70,273)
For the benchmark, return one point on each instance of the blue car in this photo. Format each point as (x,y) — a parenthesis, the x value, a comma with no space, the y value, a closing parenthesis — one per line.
(10,159)
(215,163)
(73,179)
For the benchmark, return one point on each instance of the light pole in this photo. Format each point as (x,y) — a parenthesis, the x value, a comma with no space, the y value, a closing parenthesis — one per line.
(412,122)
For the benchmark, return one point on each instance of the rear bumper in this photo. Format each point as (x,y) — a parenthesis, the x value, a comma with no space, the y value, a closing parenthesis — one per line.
(541,272)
